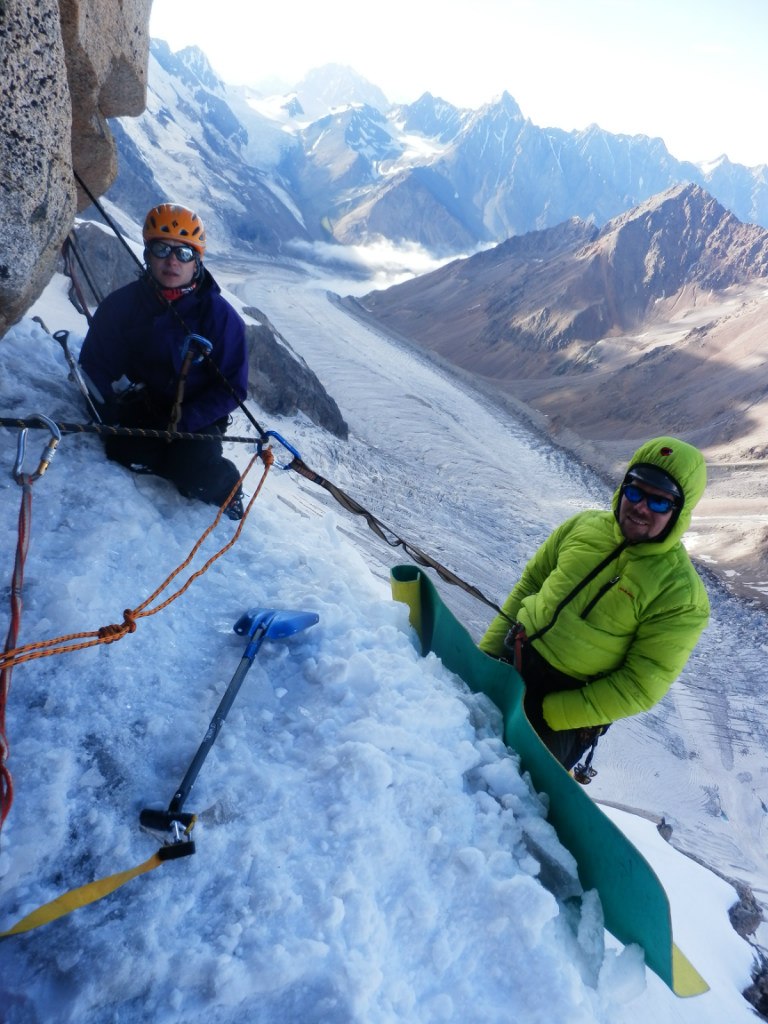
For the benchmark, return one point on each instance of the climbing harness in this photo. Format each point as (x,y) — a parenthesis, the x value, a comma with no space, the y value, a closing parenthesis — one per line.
(516,638)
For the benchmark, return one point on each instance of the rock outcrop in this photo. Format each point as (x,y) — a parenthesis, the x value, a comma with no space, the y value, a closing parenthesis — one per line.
(65,66)
(281,381)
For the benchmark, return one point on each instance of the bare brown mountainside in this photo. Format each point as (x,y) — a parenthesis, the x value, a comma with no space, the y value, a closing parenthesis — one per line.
(536,304)
(655,324)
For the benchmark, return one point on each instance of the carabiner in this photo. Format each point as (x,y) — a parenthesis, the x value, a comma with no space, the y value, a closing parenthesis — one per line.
(48,452)
(285,444)
(204,347)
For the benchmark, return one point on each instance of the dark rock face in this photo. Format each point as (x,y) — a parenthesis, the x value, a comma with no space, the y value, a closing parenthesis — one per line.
(100,264)
(746,915)
(64,68)
(282,382)
(757,993)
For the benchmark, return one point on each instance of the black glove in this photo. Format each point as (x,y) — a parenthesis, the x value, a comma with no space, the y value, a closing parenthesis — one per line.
(137,407)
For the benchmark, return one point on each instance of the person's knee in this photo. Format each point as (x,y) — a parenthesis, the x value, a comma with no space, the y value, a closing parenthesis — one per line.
(210,479)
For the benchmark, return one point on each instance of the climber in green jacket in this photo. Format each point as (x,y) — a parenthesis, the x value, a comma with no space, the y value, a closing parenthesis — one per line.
(610,607)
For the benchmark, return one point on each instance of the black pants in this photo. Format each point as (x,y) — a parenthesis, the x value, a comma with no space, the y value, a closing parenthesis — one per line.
(197,468)
(567,745)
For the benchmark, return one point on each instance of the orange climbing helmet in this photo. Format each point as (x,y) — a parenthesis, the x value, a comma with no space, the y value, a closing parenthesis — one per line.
(171,222)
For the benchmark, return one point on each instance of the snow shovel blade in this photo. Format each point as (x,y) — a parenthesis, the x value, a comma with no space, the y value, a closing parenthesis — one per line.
(276,624)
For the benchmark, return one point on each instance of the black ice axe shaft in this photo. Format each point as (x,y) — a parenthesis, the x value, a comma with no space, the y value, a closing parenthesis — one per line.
(77,374)
(259,625)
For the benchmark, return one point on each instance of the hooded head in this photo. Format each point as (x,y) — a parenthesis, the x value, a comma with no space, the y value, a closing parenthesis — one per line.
(674,467)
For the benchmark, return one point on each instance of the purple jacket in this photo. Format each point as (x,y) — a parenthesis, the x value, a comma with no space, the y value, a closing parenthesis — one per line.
(137,335)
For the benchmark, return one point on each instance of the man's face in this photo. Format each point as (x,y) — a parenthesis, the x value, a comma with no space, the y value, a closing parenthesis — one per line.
(636,521)
(170,272)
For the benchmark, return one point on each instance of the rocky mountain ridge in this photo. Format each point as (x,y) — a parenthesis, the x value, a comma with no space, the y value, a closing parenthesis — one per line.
(274,173)
(536,304)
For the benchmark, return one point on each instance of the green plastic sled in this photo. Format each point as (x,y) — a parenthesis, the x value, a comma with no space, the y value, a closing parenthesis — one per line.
(635,905)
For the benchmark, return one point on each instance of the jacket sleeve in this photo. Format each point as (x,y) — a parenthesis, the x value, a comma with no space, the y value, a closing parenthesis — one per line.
(659,652)
(230,355)
(531,581)
(102,356)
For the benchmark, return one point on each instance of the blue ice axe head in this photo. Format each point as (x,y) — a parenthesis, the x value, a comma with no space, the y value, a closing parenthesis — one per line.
(261,624)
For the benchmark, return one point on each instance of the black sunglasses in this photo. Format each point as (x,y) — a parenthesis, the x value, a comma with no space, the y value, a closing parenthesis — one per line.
(655,502)
(162,250)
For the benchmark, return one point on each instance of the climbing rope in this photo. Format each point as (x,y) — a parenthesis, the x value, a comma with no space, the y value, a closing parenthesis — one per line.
(116,631)
(25,481)
(107,430)
(386,534)
(96,890)
(72,257)
(383,532)
(157,290)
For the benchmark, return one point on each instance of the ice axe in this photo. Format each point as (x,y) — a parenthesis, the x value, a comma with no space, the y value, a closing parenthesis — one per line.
(78,375)
(258,625)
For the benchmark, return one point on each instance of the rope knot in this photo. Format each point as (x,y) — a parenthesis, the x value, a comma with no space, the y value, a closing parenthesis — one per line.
(267,457)
(108,634)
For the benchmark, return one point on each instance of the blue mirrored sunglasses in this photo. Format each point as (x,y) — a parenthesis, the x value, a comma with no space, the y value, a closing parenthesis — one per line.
(162,250)
(655,502)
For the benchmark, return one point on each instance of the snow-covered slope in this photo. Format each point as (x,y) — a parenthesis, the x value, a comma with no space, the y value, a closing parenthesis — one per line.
(365,849)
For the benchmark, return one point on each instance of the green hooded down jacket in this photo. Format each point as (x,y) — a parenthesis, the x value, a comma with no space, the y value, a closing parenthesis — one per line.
(630,631)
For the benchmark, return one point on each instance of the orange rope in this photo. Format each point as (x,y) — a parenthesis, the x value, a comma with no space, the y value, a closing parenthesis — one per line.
(108,634)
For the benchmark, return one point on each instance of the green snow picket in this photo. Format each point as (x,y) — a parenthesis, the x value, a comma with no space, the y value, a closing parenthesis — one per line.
(634,902)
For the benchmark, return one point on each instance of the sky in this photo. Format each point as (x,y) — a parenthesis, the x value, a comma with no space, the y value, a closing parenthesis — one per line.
(366,849)
(693,72)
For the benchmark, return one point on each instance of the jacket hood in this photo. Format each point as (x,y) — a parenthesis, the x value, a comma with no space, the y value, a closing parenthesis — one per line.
(685,464)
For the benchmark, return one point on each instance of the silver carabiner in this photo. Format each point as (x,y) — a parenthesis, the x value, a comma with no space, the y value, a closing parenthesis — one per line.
(48,452)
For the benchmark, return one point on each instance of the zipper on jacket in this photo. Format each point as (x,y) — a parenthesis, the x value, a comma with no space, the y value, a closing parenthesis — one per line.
(578,588)
(601,593)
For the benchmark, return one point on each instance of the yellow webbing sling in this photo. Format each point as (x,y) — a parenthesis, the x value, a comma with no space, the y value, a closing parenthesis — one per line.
(80,897)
